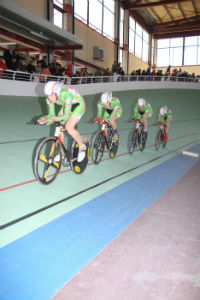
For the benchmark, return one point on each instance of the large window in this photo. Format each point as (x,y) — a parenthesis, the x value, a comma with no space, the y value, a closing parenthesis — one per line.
(98,14)
(138,40)
(58,13)
(178,51)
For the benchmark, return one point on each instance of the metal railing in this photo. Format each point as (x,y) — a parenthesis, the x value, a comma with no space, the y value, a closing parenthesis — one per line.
(34,77)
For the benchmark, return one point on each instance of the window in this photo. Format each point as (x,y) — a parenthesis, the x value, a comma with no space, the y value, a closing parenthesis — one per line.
(177,48)
(138,40)
(58,13)
(109,19)
(95,15)
(121,29)
(80,9)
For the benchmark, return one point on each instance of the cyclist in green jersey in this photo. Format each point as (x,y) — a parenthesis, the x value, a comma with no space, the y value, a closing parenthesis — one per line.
(143,111)
(109,108)
(72,109)
(165,116)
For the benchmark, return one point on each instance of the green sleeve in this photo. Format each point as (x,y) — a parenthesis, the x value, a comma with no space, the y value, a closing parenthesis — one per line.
(100,107)
(136,114)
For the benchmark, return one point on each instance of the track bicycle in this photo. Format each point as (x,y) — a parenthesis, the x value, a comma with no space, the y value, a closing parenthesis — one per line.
(103,142)
(52,153)
(136,137)
(160,137)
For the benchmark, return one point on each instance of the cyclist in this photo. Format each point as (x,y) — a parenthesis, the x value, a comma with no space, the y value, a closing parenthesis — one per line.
(72,109)
(165,116)
(142,111)
(109,108)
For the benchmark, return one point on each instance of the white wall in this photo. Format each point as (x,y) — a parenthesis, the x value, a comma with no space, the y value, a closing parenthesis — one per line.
(18,88)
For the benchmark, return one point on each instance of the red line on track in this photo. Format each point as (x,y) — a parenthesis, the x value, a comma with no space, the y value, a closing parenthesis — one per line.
(62,172)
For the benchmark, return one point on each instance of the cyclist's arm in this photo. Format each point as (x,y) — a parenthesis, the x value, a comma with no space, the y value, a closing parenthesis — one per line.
(136,115)
(100,110)
(51,113)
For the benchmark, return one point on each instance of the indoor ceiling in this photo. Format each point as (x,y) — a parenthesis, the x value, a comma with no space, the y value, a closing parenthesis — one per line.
(166,18)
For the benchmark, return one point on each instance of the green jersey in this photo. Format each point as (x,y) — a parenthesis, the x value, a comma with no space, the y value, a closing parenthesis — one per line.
(139,115)
(107,113)
(72,103)
(168,116)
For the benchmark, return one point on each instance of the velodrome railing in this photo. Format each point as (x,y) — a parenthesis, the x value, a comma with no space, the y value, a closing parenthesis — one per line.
(34,77)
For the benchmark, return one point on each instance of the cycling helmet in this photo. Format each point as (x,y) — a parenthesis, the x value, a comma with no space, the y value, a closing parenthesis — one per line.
(106,97)
(53,87)
(163,110)
(141,102)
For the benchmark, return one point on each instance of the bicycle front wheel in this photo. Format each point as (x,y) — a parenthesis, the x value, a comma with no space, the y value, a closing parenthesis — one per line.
(143,140)
(158,139)
(132,141)
(48,160)
(98,145)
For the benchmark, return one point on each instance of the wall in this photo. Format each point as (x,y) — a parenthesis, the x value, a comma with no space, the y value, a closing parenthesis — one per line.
(136,63)
(18,88)
(93,39)
(37,7)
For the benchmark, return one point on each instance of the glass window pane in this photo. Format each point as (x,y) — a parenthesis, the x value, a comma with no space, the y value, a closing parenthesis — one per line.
(190,56)
(95,15)
(191,41)
(132,23)
(80,9)
(198,52)
(120,57)
(163,43)
(57,18)
(145,51)
(58,3)
(138,29)
(110,4)
(108,26)
(131,40)
(176,55)
(121,36)
(138,46)
(163,57)
(145,36)
(121,15)
(176,42)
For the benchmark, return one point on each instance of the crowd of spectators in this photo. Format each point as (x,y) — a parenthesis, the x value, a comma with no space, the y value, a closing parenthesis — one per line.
(12,60)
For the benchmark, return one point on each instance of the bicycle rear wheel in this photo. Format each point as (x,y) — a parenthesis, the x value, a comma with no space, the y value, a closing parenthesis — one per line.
(143,140)
(113,144)
(79,167)
(98,146)
(132,141)
(158,140)
(48,160)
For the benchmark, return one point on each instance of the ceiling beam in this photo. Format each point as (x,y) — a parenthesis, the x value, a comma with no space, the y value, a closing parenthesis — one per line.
(168,12)
(179,28)
(176,34)
(151,4)
(18,39)
(194,7)
(182,12)
(176,22)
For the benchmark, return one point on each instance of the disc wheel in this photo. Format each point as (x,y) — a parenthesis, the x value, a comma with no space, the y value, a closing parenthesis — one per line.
(98,146)
(48,160)
(79,167)
(142,143)
(158,140)
(132,141)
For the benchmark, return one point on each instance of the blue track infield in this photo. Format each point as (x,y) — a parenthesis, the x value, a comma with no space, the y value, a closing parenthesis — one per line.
(37,265)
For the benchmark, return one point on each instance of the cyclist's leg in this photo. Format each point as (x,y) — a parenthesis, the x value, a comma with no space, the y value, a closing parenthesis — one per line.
(113,122)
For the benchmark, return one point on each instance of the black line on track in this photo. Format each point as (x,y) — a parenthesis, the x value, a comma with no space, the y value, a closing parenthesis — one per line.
(90,133)
(87,189)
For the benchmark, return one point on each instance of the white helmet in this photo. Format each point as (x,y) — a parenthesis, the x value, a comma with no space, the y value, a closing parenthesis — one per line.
(141,102)
(53,87)
(106,97)
(163,110)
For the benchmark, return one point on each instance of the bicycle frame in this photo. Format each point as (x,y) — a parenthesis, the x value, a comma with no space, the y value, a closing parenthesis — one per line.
(105,126)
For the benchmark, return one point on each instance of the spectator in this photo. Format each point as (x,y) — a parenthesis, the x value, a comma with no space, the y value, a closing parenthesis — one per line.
(7,55)
(44,74)
(44,62)
(22,65)
(12,64)
(31,67)
(3,67)
(114,68)
(38,67)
